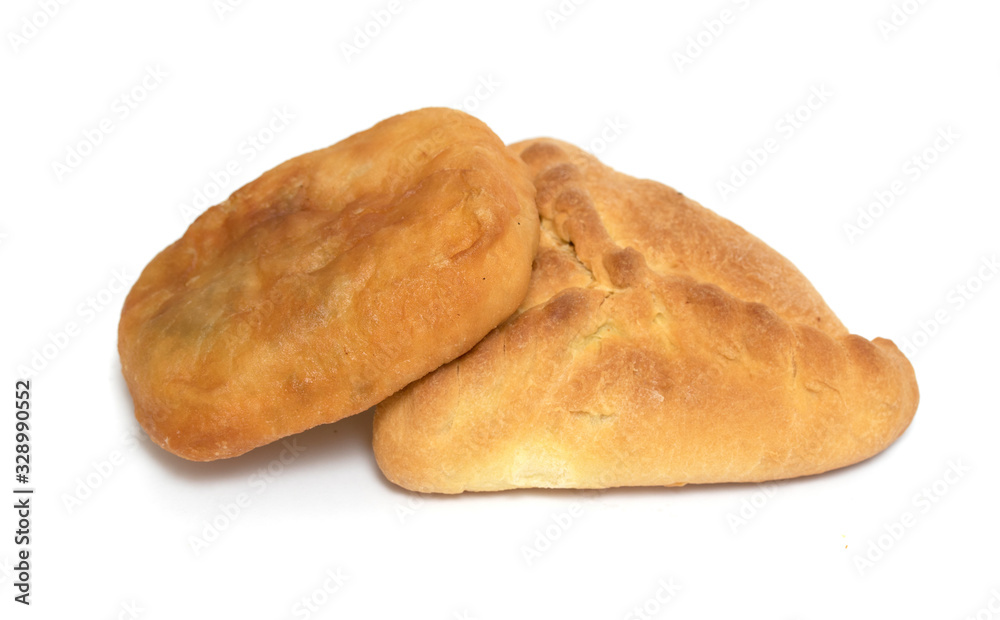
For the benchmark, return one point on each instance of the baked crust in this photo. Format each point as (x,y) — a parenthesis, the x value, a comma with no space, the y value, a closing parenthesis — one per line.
(659,344)
(328,283)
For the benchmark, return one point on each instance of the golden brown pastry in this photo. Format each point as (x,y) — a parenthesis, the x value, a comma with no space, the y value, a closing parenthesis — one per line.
(659,344)
(329,283)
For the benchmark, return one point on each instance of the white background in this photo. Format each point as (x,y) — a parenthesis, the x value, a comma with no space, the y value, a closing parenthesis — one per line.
(126,544)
